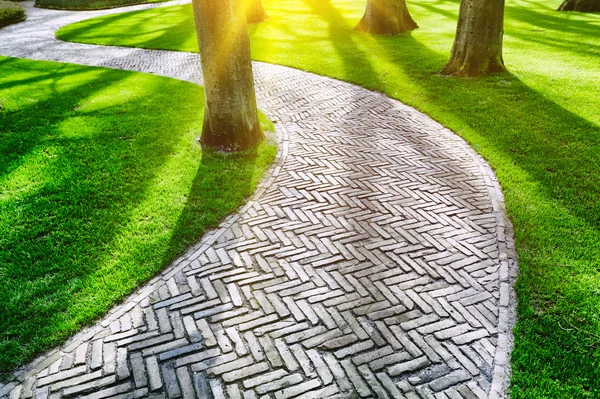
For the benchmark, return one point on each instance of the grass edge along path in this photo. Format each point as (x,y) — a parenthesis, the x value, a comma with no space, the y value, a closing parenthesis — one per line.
(102,185)
(11,13)
(87,5)
(537,126)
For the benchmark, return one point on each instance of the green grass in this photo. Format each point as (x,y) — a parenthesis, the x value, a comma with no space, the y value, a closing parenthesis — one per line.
(81,5)
(10,12)
(102,184)
(538,126)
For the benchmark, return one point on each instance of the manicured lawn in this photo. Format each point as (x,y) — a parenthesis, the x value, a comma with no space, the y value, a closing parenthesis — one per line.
(102,184)
(10,12)
(539,127)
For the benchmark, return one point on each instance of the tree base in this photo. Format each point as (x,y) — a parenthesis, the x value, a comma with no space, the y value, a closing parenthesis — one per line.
(580,5)
(480,67)
(477,48)
(231,137)
(386,17)
(255,12)
(385,29)
(255,18)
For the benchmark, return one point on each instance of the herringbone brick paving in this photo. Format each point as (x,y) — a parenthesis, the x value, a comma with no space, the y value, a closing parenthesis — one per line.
(374,260)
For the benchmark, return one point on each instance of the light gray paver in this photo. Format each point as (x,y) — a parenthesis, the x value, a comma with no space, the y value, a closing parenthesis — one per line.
(374,259)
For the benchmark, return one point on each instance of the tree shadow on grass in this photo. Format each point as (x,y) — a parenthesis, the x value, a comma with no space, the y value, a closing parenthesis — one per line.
(77,29)
(80,172)
(354,58)
(578,34)
(545,17)
(20,130)
(134,28)
(429,6)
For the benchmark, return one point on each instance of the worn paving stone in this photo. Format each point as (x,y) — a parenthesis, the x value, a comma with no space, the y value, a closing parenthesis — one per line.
(374,259)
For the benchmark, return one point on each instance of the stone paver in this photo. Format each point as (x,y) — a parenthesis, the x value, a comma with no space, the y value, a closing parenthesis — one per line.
(374,260)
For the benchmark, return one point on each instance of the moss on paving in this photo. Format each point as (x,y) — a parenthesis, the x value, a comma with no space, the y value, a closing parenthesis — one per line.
(102,184)
(538,126)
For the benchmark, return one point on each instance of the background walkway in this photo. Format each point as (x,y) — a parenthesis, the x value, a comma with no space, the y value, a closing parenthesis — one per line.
(373,261)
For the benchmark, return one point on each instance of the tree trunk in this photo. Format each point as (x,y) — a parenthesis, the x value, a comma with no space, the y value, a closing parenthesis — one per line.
(477,48)
(255,12)
(580,5)
(230,116)
(389,17)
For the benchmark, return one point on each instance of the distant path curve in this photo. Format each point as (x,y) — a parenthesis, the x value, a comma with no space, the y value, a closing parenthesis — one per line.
(374,260)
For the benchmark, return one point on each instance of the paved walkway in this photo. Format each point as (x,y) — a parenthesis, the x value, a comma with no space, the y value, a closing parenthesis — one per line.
(373,261)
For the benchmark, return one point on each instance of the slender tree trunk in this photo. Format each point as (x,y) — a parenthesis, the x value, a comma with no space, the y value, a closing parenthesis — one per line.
(477,48)
(255,11)
(230,117)
(580,5)
(389,17)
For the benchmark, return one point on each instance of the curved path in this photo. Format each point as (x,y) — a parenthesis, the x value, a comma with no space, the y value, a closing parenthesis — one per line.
(374,260)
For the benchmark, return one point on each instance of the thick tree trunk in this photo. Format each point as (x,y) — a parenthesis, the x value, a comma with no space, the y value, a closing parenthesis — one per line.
(230,117)
(255,11)
(477,48)
(580,5)
(389,17)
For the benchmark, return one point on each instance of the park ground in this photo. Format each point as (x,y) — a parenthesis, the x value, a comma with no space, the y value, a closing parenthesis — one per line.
(538,127)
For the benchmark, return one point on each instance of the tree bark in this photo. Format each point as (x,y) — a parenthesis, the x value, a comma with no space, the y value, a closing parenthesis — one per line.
(477,48)
(580,5)
(255,12)
(389,17)
(230,117)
